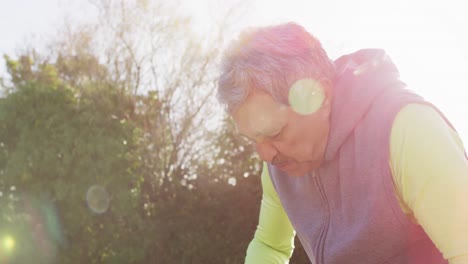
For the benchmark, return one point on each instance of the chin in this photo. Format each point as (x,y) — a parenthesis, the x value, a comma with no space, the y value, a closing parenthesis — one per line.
(296,172)
(300,169)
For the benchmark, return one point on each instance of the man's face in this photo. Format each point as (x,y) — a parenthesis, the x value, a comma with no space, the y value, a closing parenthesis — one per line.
(293,142)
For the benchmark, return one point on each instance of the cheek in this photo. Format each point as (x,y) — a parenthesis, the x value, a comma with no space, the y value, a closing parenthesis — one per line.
(296,147)
(305,143)
(305,151)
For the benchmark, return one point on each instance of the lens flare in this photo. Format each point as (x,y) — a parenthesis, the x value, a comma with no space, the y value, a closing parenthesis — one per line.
(8,243)
(97,199)
(35,235)
(306,96)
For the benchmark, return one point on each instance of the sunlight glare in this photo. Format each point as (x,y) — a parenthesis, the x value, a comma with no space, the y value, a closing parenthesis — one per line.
(8,243)
(306,96)
(232,181)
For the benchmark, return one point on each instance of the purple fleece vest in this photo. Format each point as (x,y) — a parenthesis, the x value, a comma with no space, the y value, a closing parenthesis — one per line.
(346,211)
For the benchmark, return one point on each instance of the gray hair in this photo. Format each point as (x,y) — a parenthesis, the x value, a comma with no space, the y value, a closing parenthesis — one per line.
(270,59)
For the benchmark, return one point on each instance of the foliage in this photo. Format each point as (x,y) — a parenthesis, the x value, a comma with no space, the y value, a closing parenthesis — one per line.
(57,145)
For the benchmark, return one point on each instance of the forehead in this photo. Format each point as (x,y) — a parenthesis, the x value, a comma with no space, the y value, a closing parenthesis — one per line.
(260,115)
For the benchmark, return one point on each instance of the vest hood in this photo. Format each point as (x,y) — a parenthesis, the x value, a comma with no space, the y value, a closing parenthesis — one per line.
(362,77)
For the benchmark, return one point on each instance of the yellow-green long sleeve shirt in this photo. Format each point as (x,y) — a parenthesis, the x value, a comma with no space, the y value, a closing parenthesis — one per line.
(432,189)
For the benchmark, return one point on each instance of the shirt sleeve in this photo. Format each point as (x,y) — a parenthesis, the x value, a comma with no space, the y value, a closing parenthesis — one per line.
(430,172)
(273,241)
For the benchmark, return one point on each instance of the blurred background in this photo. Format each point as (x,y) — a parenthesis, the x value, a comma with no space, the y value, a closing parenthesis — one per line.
(113,148)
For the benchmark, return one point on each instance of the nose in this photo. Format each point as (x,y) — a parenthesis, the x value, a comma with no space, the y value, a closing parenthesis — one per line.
(266,151)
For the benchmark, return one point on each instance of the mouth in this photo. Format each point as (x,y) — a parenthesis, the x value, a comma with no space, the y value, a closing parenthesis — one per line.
(281,163)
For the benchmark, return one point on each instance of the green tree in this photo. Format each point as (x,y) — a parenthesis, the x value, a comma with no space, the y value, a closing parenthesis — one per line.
(56,146)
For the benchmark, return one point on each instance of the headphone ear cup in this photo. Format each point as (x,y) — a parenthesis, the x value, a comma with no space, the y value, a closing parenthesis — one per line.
(306,96)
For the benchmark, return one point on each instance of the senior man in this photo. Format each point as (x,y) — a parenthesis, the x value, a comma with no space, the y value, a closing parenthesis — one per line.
(359,167)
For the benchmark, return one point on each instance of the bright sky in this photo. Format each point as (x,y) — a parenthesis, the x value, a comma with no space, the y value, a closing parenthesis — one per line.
(23,22)
(427,39)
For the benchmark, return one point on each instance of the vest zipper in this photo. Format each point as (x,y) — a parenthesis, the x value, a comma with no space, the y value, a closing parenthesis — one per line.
(320,247)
